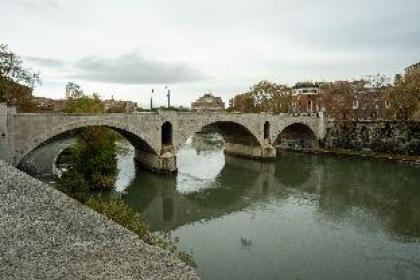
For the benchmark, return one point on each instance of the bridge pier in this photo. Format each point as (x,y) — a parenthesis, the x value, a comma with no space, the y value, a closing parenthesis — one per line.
(7,145)
(165,163)
(264,152)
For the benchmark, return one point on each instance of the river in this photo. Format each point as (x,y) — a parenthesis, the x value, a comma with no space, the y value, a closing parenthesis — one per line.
(302,217)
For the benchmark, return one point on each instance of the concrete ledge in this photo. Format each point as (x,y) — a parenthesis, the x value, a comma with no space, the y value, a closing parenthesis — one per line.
(44,234)
(250,152)
(249,157)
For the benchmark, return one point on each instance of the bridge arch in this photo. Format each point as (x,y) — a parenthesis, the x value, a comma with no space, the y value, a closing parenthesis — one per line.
(138,139)
(231,131)
(297,135)
(242,138)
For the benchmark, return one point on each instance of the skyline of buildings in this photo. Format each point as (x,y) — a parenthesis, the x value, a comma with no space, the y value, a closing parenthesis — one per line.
(160,97)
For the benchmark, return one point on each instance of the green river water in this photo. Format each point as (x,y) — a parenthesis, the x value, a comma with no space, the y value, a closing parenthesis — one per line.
(301,217)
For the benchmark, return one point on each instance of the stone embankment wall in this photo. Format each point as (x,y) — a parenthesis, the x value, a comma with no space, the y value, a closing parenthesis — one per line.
(380,136)
(44,234)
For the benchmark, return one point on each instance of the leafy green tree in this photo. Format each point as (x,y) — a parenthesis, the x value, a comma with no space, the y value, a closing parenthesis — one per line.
(94,156)
(73,91)
(11,68)
(93,161)
(85,104)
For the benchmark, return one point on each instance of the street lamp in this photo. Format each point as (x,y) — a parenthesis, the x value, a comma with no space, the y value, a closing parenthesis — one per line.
(151,100)
(169,96)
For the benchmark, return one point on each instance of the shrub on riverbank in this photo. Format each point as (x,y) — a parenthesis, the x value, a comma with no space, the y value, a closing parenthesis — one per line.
(92,162)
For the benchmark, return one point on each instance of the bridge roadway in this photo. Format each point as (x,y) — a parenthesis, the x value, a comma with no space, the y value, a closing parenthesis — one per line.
(156,136)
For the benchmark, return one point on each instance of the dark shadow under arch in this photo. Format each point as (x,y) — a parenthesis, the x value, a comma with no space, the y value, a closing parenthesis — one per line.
(132,138)
(297,135)
(233,132)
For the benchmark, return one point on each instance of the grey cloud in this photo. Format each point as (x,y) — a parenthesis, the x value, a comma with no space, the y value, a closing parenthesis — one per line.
(47,62)
(328,24)
(134,69)
(37,3)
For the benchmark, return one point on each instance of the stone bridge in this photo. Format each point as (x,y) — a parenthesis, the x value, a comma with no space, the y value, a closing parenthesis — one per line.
(156,136)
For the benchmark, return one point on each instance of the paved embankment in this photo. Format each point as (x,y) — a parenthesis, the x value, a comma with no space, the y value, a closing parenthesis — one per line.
(46,235)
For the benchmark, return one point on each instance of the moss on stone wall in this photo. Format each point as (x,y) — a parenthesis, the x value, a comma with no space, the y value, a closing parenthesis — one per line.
(381,136)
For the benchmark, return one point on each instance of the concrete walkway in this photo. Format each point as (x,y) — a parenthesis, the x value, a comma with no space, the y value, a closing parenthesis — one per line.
(46,235)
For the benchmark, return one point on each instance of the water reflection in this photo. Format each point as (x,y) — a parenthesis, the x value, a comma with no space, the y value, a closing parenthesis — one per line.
(303,217)
(349,190)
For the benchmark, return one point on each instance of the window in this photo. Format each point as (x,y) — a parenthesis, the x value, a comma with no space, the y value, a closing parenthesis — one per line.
(166,134)
(266,130)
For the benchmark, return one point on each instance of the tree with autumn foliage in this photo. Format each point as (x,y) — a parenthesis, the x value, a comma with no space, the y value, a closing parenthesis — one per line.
(404,96)
(337,99)
(264,96)
(342,99)
(16,81)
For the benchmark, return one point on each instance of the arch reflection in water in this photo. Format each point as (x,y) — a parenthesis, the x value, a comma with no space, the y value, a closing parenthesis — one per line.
(211,184)
(273,219)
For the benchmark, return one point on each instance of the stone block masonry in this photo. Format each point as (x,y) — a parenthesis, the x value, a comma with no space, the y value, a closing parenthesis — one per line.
(397,137)
(164,164)
(46,235)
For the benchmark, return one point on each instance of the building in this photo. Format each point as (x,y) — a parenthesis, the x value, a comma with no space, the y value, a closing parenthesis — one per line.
(412,68)
(114,106)
(368,104)
(45,104)
(305,98)
(208,103)
(49,105)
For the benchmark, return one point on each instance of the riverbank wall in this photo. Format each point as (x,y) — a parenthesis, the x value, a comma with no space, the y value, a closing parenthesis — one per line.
(45,234)
(393,137)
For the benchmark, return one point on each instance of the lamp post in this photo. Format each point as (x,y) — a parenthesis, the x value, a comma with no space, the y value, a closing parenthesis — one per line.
(151,100)
(169,98)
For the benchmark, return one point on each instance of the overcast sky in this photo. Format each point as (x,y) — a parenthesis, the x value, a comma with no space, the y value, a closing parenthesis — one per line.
(125,48)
